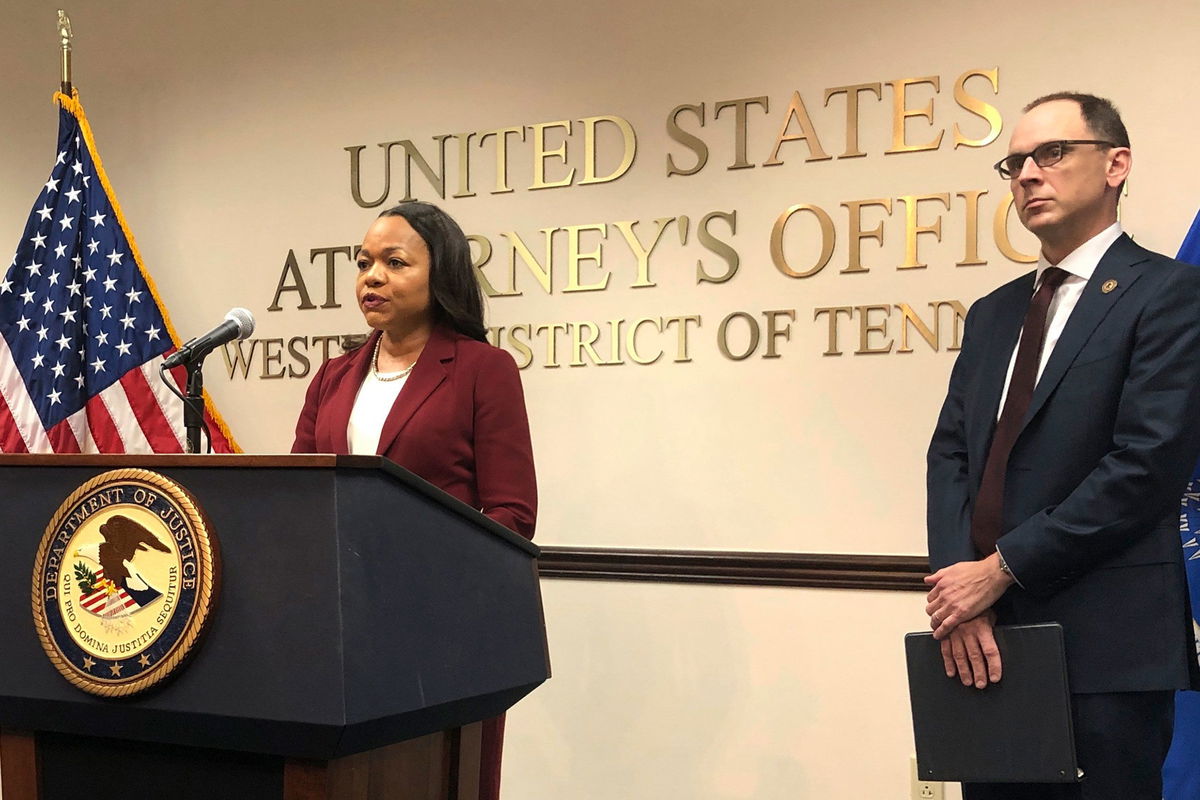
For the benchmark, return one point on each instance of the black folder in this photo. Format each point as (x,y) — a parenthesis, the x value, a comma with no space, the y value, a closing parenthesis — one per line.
(1014,731)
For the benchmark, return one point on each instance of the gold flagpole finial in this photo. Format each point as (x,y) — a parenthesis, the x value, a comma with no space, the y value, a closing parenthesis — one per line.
(64,35)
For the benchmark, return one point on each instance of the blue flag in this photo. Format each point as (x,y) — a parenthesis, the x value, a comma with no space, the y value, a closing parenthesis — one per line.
(1181,772)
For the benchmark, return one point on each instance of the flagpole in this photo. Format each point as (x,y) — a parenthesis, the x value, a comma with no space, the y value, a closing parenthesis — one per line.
(65,36)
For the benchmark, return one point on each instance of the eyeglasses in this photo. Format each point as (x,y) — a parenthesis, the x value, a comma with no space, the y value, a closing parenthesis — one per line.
(1044,155)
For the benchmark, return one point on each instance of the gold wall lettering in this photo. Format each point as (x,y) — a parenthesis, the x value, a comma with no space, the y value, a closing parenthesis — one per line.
(786,262)
(796,125)
(541,155)
(876,335)
(551,149)
(579,257)
(647,340)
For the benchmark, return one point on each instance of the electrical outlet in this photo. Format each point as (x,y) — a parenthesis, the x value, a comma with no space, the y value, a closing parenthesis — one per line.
(924,790)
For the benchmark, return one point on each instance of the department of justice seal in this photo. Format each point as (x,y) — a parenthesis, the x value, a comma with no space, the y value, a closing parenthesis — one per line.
(125,581)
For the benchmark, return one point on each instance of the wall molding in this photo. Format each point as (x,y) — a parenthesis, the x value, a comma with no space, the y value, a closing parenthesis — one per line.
(737,568)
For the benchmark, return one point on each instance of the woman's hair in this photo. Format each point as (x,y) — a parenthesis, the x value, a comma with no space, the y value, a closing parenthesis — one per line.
(455,298)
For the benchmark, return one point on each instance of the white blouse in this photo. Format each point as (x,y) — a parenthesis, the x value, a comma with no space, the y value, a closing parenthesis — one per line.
(374,402)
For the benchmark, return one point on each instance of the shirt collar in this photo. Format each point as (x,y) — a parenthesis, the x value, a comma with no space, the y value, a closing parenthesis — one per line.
(1082,261)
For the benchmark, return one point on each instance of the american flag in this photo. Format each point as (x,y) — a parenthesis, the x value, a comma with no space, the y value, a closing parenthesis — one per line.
(82,329)
(109,600)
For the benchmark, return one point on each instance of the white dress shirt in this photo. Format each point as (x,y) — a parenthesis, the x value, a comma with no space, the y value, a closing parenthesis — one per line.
(1079,266)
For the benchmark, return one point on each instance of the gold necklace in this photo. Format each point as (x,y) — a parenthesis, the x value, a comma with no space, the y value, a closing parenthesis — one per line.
(375,366)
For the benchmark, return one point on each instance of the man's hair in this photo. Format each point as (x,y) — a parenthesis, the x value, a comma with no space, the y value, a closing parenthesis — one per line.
(1101,116)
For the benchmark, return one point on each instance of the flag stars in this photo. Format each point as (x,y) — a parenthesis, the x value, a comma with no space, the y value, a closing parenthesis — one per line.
(52,185)
(102,339)
(114,258)
(89,274)
(53,397)
(44,212)
(62,157)
(97,219)
(63,342)
(73,195)
(73,287)
(68,315)
(66,221)
(38,360)
(86,179)
(23,323)
(27,296)
(80,380)
(127,321)
(106,311)
(123,348)
(42,333)
(54,278)
(5,286)
(34,268)
(98,364)
(48,306)
(58,369)
(38,240)
(77,167)
(134,296)
(93,246)
(152,333)
(110,284)
(60,250)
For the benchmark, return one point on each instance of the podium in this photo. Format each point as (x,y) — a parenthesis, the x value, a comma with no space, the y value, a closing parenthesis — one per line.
(365,621)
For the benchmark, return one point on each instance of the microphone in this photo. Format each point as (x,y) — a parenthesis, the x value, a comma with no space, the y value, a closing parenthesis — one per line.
(238,324)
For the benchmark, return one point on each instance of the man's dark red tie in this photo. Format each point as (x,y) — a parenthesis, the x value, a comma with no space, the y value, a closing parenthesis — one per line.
(989,503)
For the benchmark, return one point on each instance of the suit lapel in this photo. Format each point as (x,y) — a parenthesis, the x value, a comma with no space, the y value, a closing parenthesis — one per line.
(341,401)
(428,373)
(1118,264)
(1002,340)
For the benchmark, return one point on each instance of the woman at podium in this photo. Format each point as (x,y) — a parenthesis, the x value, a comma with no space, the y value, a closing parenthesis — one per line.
(425,389)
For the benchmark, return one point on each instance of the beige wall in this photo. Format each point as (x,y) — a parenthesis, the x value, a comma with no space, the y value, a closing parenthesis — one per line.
(223,124)
(716,692)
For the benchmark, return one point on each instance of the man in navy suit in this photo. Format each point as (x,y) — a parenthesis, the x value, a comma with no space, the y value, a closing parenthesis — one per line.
(1070,427)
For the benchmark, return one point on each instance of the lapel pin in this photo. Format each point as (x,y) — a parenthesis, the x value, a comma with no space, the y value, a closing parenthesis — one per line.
(1108,286)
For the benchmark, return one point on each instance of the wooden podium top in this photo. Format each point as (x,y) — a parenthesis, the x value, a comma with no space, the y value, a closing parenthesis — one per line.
(277,460)
(274,461)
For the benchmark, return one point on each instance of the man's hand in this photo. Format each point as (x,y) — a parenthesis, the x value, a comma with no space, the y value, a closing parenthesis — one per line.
(963,591)
(971,653)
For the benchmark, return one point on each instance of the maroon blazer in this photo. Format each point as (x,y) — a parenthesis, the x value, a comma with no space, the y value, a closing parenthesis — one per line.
(459,423)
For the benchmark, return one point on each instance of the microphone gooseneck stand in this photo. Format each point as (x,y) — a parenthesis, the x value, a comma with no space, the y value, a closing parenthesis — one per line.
(193,405)
(238,324)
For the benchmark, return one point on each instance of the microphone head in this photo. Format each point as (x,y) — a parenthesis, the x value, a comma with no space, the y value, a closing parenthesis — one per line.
(244,321)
